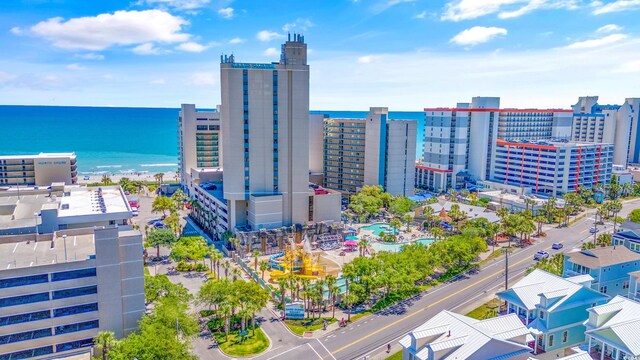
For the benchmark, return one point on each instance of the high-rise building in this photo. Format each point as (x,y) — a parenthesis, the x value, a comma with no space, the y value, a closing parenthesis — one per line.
(57,291)
(371,151)
(615,124)
(39,170)
(265,139)
(199,143)
(460,142)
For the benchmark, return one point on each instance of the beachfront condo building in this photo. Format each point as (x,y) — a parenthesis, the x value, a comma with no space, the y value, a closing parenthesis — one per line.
(199,143)
(265,138)
(58,290)
(38,170)
(371,151)
(614,124)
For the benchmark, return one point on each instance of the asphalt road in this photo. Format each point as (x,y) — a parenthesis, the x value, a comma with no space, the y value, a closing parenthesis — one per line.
(370,335)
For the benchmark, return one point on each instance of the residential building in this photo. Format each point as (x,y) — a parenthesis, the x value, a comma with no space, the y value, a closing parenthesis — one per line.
(199,143)
(38,170)
(628,236)
(58,290)
(634,286)
(265,139)
(614,124)
(612,330)
(452,336)
(623,175)
(316,143)
(550,167)
(608,266)
(58,207)
(553,308)
(452,156)
(513,198)
(210,211)
(375,150)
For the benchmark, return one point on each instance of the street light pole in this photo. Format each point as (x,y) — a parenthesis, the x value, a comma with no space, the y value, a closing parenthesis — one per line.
(64,239)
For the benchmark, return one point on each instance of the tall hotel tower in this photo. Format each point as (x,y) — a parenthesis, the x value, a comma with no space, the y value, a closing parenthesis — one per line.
(265,139)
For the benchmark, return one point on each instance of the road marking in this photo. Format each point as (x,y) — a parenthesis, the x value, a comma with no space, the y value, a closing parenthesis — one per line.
(429,306)
(15,247)
(314,350)
(333,357)
(282,353)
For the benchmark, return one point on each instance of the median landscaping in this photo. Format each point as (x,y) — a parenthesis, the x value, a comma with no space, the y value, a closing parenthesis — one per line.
(240,346)
(299,327)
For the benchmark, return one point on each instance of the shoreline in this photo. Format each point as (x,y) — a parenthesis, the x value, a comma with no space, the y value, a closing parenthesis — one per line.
(169,176)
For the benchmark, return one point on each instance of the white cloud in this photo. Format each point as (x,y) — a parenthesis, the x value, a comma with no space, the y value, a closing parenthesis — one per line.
(75,67)
(90,56)
(226,13)
(609,28)
(236,40)
(159,81)
(477,35)
(300,23)
(204,79)
(457,10)
(629,67)
(106,30)
(609,39)
(16,31)
(271,52)
(266,35)
(191,47)
(615,6)
(176,4)
(146,49)
(422,15)
(367,59)
(4,77)
(384,5)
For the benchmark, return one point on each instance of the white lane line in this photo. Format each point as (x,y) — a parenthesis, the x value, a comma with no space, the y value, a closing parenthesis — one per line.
(74,240)
(31,264)
(15,247)
(314,350)
(35,246)
(284,352)
(330,354)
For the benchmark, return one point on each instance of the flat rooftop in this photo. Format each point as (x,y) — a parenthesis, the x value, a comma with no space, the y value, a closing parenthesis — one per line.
(553,143)
(510,197)
(214,189)
(87,201)
(22,253)
(36,156)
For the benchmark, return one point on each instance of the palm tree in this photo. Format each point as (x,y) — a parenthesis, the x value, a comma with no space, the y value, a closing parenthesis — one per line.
(256,254)
(408,219)
(236,244)
(615,206)
(282,286)
(305,284)
(502,212)
(363,244)
(428,213)
(159,177)
(226,265)
(437,233)
(349,300)
(104,342)
(330,280)
(539,219)
(236,273)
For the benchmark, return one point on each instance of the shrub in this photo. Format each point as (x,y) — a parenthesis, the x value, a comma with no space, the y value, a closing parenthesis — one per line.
(635,216)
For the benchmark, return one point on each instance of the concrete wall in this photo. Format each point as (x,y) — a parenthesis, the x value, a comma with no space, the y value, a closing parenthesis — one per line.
(327,207)
(401,157)
(316,131)
(266,212)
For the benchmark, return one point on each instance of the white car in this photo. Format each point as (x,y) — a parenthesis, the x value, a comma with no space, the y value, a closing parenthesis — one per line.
(134,211)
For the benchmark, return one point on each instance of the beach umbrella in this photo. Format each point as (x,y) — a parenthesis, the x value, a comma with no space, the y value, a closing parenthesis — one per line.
(351,243)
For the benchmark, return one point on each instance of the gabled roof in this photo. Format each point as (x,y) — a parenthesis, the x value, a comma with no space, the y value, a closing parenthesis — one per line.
(466,338)
(623,327)
(526,292)
(602,257)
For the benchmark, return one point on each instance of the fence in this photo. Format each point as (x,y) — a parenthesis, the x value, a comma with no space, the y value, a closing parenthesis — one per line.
(255,276)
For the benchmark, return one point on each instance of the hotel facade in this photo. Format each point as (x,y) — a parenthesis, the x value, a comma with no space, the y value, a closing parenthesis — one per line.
(38,170)
(371,151)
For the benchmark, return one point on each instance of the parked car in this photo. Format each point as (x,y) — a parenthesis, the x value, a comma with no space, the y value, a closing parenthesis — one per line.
(158,225)
(134,211)
(541,255)
(557,246)
(594,230)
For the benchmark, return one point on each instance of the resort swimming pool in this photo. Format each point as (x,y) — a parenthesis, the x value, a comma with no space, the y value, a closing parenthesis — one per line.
(376,228)
(393,247)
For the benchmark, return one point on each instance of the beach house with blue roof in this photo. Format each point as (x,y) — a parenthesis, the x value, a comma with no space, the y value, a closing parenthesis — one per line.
(553,308)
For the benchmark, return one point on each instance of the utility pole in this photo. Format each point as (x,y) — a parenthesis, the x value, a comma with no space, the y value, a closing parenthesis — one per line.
(506,266)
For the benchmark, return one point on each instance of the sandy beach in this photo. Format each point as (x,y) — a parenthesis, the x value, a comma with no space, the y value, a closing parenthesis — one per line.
(169,176)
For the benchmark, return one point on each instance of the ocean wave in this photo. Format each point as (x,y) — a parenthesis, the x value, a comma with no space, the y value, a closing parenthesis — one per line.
(108,166)
(92,172)
(157,165)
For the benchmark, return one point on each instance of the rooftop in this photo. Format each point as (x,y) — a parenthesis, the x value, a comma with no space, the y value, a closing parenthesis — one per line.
(470,210)
(550,144)
(41,155)
(622,326)
(604,256)
(214,189)
(22,251)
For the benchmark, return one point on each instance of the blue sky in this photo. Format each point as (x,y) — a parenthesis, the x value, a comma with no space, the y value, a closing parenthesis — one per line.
(404,54)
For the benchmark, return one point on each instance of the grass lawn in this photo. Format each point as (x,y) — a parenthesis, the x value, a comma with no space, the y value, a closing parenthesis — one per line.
(252,345)
(485,311)
(300,326)
(396,356)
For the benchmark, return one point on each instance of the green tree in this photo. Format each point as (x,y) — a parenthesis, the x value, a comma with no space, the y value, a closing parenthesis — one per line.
(178,199)
(160,237)
(554,264)
(395,224)
(256,255)
(604,240)
(104,342)
(264,265)
(159,286)
(407,220)
(159,177)
(162,204)
(635,216)
(173,222)
(191,248)
(400,205)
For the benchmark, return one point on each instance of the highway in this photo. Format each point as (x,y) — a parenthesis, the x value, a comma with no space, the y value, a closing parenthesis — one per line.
(370,335)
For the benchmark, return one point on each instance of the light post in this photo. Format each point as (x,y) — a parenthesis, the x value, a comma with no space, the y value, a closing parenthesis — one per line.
(64,240)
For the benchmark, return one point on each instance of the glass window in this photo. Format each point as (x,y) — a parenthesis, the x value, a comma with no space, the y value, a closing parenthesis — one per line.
(72,310)
(23,299)
(87,290)
(73,274)
(26,280)
(551,340)
(23,336)
(74,345)
(65,329)
(26,354)
(21,318)
(565,336)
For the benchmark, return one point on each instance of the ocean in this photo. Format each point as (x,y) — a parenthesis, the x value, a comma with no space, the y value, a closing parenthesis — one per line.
(110,139)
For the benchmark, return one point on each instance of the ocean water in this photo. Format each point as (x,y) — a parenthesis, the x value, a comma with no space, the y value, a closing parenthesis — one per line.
(110,139)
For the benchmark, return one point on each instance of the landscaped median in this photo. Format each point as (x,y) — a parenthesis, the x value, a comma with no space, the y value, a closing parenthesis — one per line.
(241,346)
(299,327)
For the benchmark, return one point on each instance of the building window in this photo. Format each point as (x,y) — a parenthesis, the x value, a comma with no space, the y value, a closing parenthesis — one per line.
(565,336)
(542,315)
(65,329)
(603,289)
(625,285)
(25,280)
(551,340)
(26,354)
(74,345)
(22,318)
(73,274)
(23,299)
(87,290)
(23,336)
(72,310)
